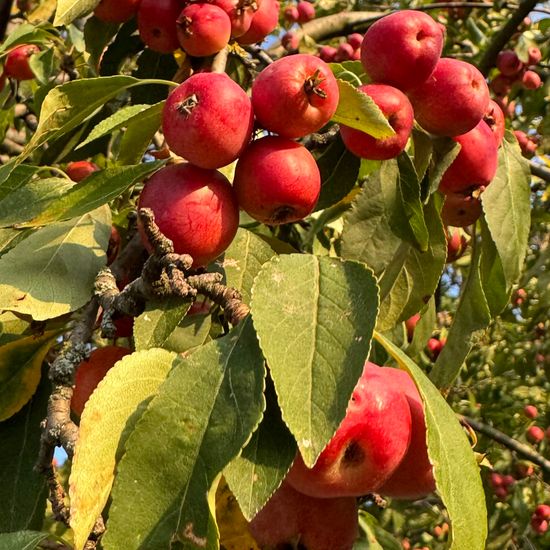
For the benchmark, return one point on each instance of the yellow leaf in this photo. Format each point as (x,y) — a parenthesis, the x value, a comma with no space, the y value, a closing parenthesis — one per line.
(234,533)
(20,365)
(108,417)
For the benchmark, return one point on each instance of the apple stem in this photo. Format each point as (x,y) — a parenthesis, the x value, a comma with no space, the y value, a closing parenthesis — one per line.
(312,83)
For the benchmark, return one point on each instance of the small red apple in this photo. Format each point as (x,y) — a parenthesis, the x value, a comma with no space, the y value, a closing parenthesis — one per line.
(453,100)
(410,325)
(295,95)
(81,169)
(501,85)
(263,22)
(291,14)
(534,434)
(542,511)
(539,526)
(203,29)
(460,209)
(402,49)
(413,478)
(530,411)
(277,181)
(534,55)
(290,517)
(195,208)
(157,24)
(116,11)
(494,118)
(476,163)
(290,41)
(306,11)
(17,62)
(367,447)
(508,63)
(90,373)
(240,14)
(344,53)
(531,80)
(457,243)
(327,53)
(435,346)
(208,120)
(355,40)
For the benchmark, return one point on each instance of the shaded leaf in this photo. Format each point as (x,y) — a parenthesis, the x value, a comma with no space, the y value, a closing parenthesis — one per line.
(263,464)
(20,366)
(357,110)
(314,318)
(22,490)
(133,381)
(97,34)
(339,170)
(159,320)
(411,210)
(52,271)
(456,470)
(472,314)
(192,332)
(202,416)
(367,235)
(22,540)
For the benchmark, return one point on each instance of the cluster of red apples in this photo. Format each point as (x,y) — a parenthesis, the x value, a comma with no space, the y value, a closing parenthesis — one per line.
(200,28)
(209,120)
(380,447)
(447,97)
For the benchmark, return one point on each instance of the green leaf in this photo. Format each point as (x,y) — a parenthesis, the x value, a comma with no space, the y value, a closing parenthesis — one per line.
(191,333)
(69,10)
(242,261)
(491,272)
(52,271)
(507,208)
(138,135)
(456,471)
(20,365)
(22,489)
(339,170)
(159,320)
(97,34)
(119,399)
(416,231)
(367,235)
(67,106)
(412,276)
(27,34)
(96,190)
(202,416)
(22,540)
(31,199)
(263,464)
(42,65)
(122,118)
(423,149)
(11,237)
(17,178)
(314,318)
(357,110)
(472,315)
(445,152)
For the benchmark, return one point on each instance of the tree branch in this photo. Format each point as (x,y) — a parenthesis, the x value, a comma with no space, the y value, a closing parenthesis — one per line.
(501,38)
(523,450)
(540,171)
